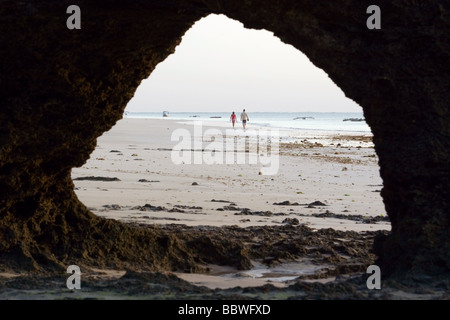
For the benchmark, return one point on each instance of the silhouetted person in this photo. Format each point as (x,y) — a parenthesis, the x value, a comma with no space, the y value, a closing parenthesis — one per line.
(244,118)
(233,118)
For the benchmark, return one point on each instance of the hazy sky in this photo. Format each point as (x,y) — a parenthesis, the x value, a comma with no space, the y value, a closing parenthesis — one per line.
(221,66)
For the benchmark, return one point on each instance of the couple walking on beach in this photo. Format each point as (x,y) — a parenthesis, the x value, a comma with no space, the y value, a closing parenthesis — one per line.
(244,118)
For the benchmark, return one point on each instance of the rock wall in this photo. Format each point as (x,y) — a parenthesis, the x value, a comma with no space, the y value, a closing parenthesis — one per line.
(60,89)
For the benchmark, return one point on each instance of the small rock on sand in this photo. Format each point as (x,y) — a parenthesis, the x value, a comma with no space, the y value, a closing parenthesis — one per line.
(291,221)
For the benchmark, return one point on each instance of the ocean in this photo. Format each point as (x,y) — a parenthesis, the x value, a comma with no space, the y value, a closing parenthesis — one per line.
(321,121)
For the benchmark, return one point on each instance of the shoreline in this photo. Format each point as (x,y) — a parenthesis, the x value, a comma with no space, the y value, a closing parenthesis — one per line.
(224,122)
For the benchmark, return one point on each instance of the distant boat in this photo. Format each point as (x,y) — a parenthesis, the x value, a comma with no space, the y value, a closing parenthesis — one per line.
(165,113)
(354,119)
(303,118)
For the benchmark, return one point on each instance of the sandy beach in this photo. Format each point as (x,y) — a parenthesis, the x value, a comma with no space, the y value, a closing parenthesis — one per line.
(318,179)
(339,171)
(263,214)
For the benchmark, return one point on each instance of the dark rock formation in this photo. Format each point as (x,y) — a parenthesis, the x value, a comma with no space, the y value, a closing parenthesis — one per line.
(60,89)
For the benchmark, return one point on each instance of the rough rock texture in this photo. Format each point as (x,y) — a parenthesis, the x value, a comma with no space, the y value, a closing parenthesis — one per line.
(60,89)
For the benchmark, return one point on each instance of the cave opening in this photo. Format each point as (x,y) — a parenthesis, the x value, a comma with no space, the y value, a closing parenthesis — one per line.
(323,180)
(70,86)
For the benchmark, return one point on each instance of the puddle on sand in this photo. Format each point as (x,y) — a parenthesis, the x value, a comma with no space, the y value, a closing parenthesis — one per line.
(280,275)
